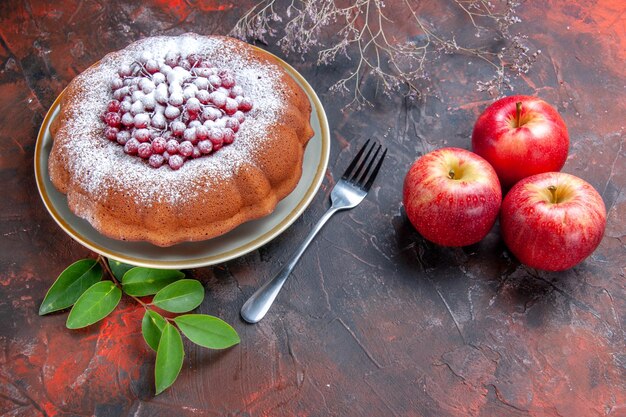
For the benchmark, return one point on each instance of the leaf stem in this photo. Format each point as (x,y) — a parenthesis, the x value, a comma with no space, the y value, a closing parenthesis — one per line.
(105,264)
(553,192)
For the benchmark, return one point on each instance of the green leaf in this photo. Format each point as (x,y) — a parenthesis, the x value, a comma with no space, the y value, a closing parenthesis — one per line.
(152,327)
(180,296)
(118,268)
(95,304)
(141,281)
(169,358)
(208,331)
(70,285)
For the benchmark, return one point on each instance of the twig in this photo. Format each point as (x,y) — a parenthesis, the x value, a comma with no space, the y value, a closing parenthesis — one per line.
(105,264)
(365,34)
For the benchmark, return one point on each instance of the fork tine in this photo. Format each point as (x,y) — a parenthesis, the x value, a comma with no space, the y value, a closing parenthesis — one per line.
(354,177)
(372,177)
(361,180)
(346,175)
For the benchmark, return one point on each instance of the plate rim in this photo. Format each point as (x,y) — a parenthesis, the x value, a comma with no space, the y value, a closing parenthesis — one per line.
(245,248)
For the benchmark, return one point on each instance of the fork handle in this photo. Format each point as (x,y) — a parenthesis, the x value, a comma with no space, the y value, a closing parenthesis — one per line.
(260,302)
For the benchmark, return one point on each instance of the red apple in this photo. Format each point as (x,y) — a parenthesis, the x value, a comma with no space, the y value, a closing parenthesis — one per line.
(452,196)
(552,221)
(521,136)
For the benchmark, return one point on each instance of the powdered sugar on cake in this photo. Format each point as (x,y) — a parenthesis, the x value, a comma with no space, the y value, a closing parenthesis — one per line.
(99,164)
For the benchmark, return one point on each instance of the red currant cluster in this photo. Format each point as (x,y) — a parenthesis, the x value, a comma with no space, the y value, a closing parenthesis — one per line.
(173,109)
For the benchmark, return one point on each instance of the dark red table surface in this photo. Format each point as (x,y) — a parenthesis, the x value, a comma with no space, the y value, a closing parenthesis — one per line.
(375,321)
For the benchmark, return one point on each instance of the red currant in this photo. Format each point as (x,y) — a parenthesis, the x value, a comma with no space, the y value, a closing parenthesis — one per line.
(111,133)
(172,146)
(176,161)
(113,106)
(229,136)
(145,150)
(205,146)
(159,144)
(112,119)
(185,148)
(131,146)
(156,160)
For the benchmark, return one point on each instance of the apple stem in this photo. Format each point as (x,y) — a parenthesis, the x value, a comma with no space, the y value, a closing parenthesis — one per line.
(552,189)
(518,112)
(451,174)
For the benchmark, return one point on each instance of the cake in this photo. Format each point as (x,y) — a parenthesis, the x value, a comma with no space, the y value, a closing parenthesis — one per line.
(179,138)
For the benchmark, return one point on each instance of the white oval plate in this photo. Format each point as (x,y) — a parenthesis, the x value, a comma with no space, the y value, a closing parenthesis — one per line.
(239,241)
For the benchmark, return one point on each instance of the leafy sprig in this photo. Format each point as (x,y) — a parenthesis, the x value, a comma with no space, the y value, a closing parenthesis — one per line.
(93,288)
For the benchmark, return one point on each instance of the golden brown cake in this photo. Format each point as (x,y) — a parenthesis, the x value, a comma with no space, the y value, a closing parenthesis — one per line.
(179,138)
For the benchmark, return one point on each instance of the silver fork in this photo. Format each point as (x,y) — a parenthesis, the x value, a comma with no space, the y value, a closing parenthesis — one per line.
(347,193)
